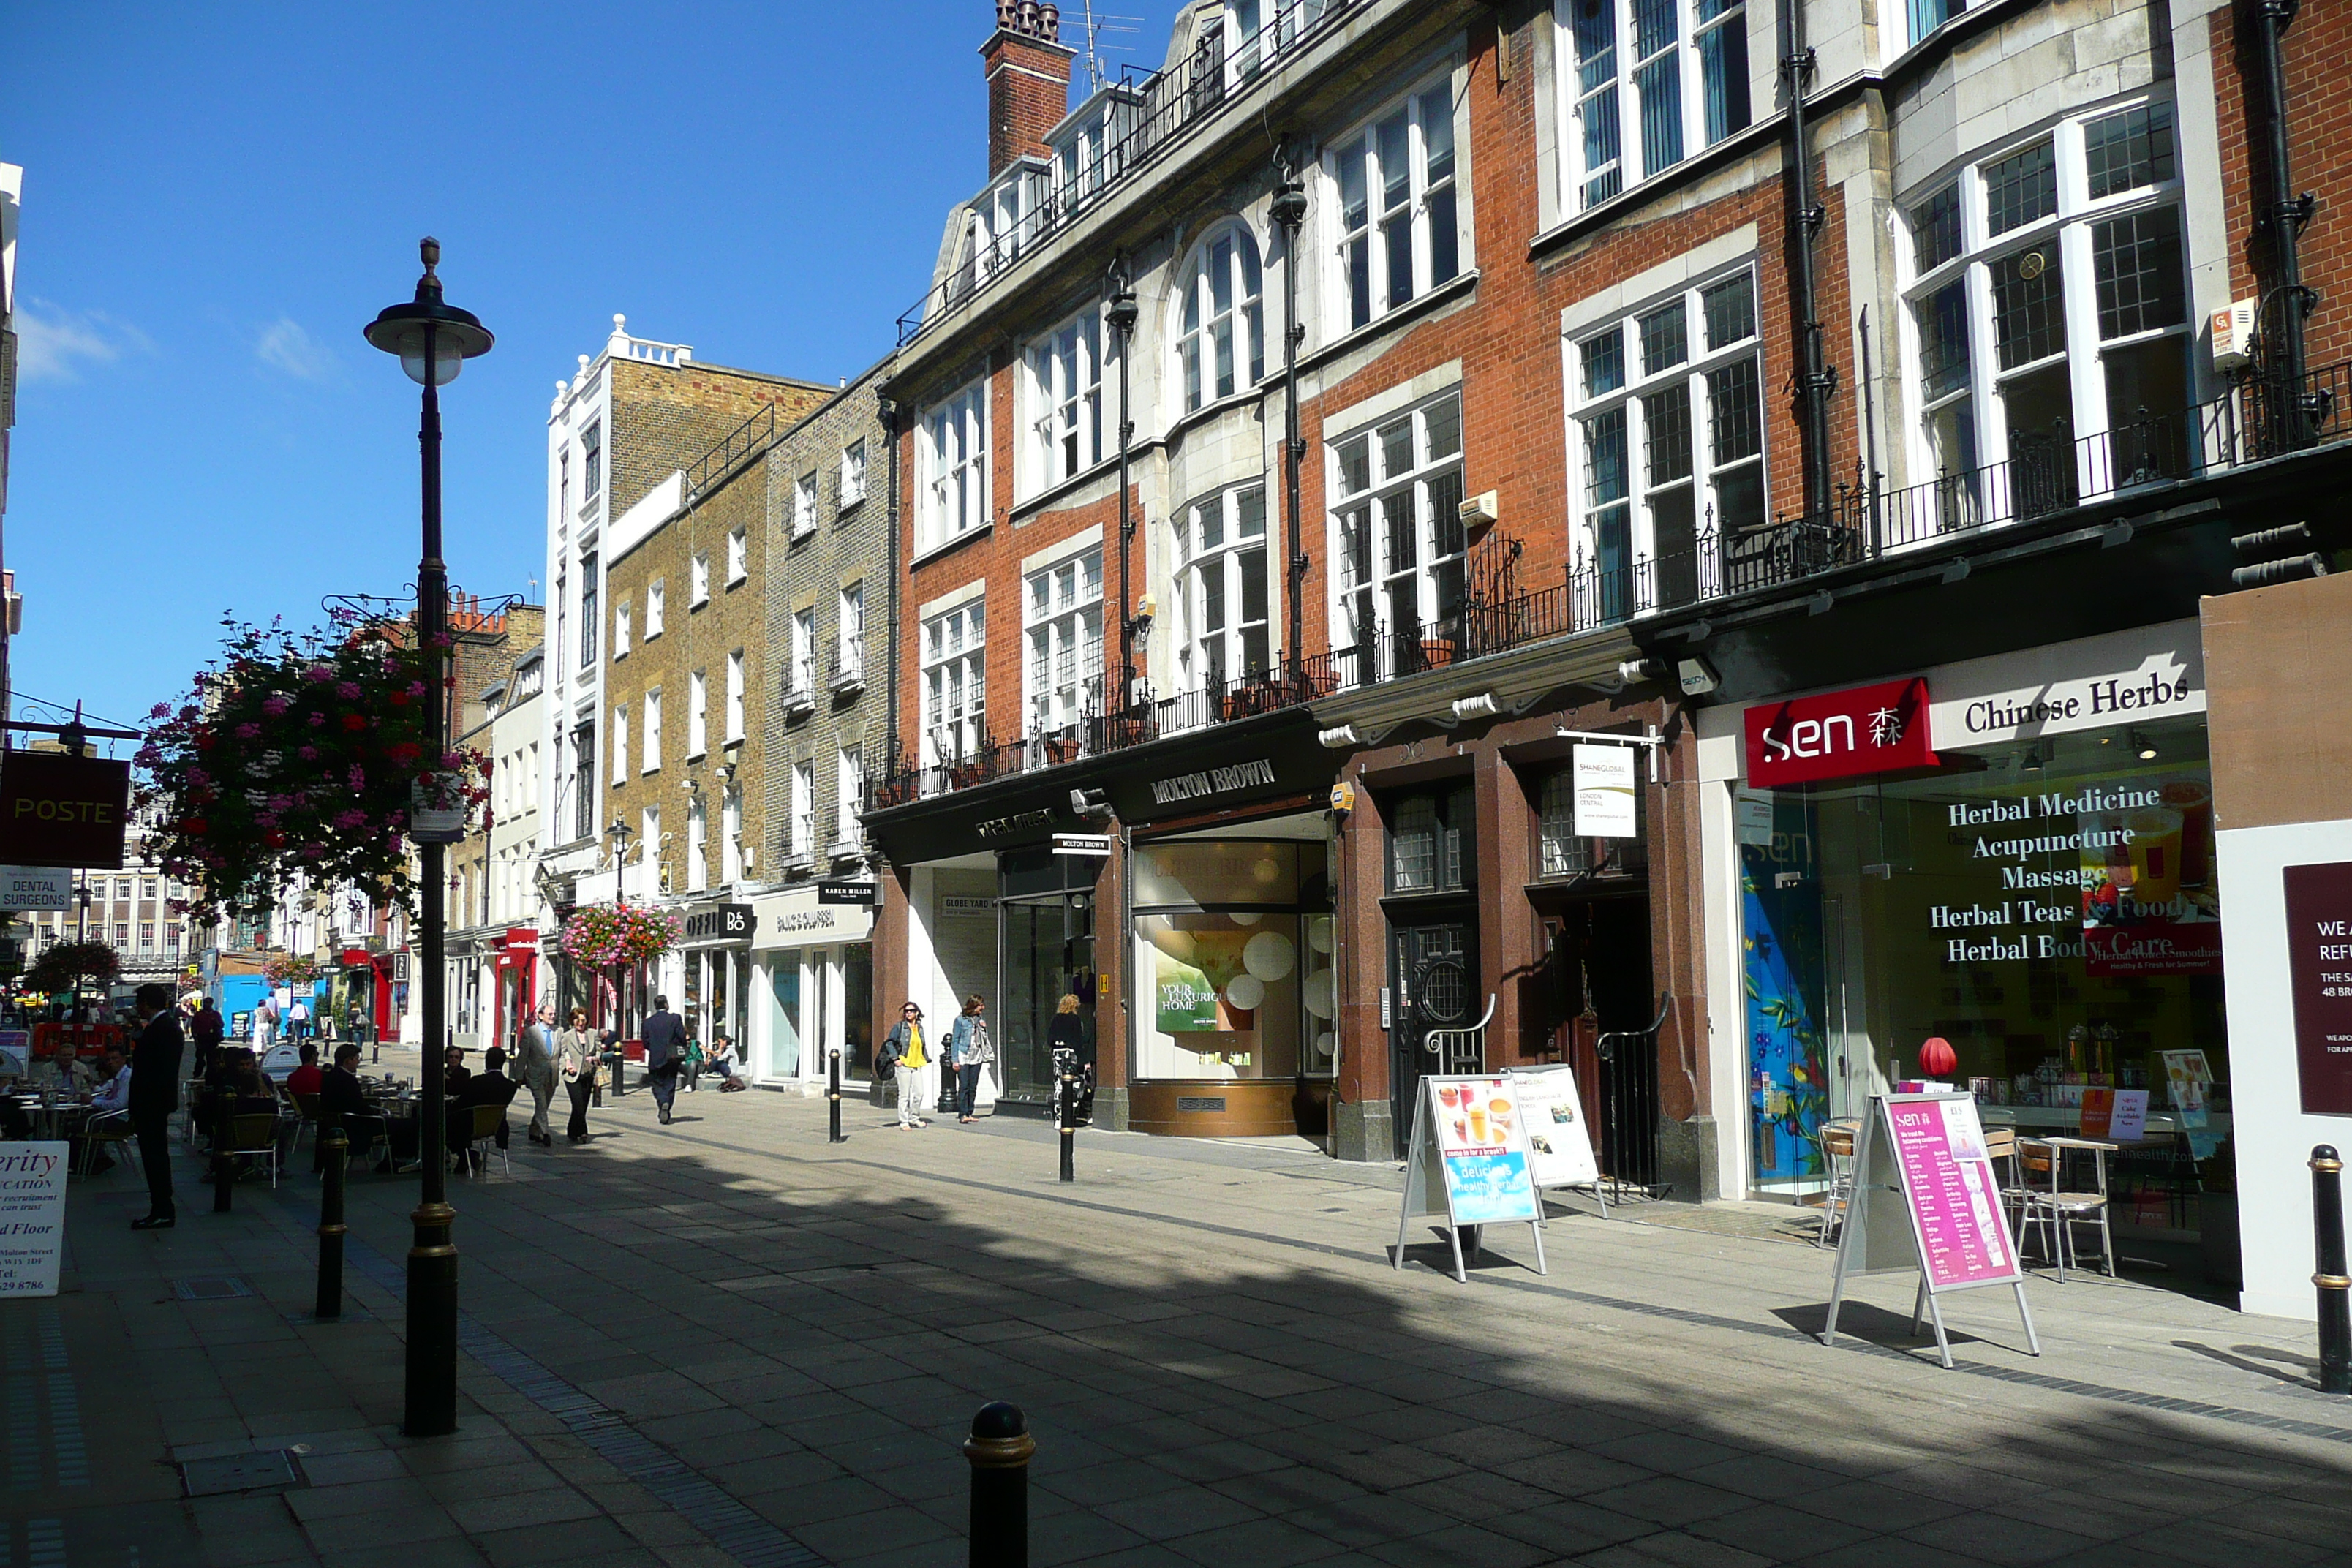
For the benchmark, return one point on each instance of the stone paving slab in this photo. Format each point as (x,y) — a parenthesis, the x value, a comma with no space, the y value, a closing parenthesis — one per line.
(729,1341)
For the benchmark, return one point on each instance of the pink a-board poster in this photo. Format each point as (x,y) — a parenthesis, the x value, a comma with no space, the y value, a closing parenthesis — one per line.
(1951,1190)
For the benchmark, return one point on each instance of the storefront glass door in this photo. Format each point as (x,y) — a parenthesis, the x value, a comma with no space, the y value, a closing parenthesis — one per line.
(784,1016)
(1434,977)
(1048,952)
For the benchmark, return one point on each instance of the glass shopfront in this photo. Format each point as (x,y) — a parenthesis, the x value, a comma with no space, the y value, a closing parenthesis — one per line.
(2049,907)
(1234,961)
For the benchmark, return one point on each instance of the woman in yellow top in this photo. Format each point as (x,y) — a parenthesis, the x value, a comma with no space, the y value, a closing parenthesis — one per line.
(908,1053)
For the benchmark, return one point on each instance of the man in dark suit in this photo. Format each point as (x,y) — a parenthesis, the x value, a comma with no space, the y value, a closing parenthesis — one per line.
(154,1095)
(665,1054)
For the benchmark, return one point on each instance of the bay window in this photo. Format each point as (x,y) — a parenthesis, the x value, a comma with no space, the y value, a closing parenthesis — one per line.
(1666,445)
(1221,346)
(1065,629)
(2025,262)
(952,455)
(1222,601)
(955,712)
(1397,538)
(1644,83)
(1399,227)
(1066,399)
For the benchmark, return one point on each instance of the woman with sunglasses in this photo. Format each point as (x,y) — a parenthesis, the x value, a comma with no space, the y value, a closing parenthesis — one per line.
(909,1053)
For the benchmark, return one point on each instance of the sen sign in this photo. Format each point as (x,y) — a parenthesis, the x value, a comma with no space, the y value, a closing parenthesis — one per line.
(1880,729)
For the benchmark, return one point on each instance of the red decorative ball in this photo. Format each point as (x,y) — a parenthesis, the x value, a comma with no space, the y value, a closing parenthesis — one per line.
(1937,1058)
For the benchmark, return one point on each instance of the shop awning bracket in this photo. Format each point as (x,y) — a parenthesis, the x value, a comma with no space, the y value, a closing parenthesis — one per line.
(1649,737)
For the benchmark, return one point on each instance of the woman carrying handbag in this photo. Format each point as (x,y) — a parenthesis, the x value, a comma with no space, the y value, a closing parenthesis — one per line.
(577,1058)
(970,1052)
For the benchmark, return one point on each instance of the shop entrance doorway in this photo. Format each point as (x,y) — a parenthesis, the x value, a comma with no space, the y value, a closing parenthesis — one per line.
(1600,1013)
(1433,981)
(1048,953)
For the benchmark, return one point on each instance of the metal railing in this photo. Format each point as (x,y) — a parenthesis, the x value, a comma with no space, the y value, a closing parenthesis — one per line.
(1151,116)
(849,661)
(740,446)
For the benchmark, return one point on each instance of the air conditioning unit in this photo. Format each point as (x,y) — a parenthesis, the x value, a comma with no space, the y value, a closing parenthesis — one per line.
(1479,510)
(2233,335)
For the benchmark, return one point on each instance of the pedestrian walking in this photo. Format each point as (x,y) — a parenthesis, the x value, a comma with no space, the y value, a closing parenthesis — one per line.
(154,1095)
(970,1052)
(207,1028)
(265,1025)
(908,1056)
(577,1051)
(665,1054)
(298,1020)
(535,1059)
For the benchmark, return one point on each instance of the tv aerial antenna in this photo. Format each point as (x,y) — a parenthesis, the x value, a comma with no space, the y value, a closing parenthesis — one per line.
(1097,26)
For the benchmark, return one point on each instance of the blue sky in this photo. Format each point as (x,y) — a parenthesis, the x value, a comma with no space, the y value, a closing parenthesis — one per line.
(217,197)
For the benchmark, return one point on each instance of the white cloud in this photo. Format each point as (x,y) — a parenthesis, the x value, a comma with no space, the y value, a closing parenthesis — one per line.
(53,344)
(286,345)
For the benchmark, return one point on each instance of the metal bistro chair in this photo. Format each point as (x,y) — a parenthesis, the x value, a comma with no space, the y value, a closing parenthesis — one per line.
(305,1106)
(113,1127)
(252,1135)
(487,1121)
(1836,1141)
(2052,1201)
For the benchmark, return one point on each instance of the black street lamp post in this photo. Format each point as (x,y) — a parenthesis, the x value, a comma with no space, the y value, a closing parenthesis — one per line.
(434,341)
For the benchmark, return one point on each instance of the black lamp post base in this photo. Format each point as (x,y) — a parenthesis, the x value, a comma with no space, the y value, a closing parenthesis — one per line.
(431,1324)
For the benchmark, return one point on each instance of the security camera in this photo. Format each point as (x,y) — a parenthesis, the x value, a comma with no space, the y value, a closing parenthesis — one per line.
(1090,803)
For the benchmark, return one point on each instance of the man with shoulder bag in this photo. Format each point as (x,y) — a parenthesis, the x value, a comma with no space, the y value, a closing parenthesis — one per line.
(665,1054)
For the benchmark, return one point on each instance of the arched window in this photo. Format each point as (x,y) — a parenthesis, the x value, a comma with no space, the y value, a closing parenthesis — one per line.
(1221,347)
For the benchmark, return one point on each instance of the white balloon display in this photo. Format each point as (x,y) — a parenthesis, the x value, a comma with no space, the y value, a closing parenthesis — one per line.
(1324,1044)
(1318,933)
(1269,955)
(1245,992)
(1319,994)
(1245,917)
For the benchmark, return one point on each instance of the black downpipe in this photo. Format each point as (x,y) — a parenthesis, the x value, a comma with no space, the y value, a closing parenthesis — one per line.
(886,408)
(1290,213)
(2297,411)
(1816,379)
(1122,316)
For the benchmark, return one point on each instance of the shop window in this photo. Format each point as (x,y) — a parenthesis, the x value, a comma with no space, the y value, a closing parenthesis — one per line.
(955,716)
(1222,598)
(1399,233)
(1668,444)
(1651,80)
(1221,346)
(1432,848)
(1065,392)
(2068,246)
(1398,540)
(1065,615)
(1233,950)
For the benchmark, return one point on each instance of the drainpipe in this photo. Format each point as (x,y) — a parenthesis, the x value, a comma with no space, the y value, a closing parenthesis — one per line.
(1290,213)
(1121,316)
(1817,379)
(885,409)
(2297,407)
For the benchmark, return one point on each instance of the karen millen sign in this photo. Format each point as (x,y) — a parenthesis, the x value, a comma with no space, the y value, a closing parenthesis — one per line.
(61,810)
(1880,729)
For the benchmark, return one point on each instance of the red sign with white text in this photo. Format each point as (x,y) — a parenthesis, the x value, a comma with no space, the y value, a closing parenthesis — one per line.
(1880,729)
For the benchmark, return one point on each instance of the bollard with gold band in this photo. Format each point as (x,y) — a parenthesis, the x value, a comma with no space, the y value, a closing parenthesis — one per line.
(832,1094)
(2330,1279)
(999,1448)
(334,1152)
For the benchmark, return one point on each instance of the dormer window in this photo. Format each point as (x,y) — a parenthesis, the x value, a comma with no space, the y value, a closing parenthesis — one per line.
(1002,222)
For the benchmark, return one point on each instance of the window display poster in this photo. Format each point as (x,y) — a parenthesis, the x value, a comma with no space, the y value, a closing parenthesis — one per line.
(1948,1184)
(32,1217)
(2151,904)
(1559,1141)
(1787,1052)
(2319,973)
(2187,1076)
(1186,1001)
(1481,1150)
(2116,1115)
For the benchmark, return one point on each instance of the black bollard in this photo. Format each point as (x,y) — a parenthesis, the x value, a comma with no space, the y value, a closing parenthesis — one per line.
(832,1094)
(999,1449)
(224,1169)
(1065,1113)
(335,1149)
(2334,1289)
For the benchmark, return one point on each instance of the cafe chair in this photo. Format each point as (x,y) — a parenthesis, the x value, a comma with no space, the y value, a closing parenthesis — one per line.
(305,1106)
(251,1136)
(484,1143)
(112,1130)
(2054,1202)
(2000,1148)
(1835,1140)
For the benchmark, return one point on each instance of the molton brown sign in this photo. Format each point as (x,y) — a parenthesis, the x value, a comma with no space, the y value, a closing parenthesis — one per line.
(62,810)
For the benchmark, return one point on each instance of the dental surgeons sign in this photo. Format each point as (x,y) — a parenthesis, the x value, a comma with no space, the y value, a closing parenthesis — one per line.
(1879,728)
(62,810)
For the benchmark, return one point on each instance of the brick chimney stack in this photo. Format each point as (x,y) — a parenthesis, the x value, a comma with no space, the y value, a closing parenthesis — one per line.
(1028,80)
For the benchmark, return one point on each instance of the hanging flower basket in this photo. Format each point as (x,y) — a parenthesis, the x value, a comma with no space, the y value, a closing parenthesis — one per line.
(291,969)
(61,967)
(295,757)
(603,936)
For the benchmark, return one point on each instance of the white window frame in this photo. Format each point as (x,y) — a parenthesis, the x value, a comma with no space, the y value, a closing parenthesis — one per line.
(735,698)
(1062,642)
(698,719)
(623,615)
(1368,581)
(805,505)
(649,851)
(1611,91)
(850,789)
(853,474)
(654,593)
(955,683)
(804,804)
(652,738)
(951,455)
(1940,433)
(621,770)
(1429,207)
(1221,347)
(591,462)
(1066,392)
(699,582)
(850,629)
(1211,582)
(1631,576)
(738,556)
(698,834)
(731,834)
(803,676)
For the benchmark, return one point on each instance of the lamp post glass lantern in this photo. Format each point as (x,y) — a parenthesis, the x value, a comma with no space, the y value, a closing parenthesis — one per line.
(434,341)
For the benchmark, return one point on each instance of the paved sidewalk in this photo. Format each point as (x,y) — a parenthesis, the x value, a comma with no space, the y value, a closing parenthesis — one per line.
(726,1341)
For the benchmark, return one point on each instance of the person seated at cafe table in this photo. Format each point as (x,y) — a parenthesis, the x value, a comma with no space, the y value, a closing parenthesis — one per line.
(306,1078)
(113,1094)
(455,1072)
(64,1073)
(491,1086)
(343,1102)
